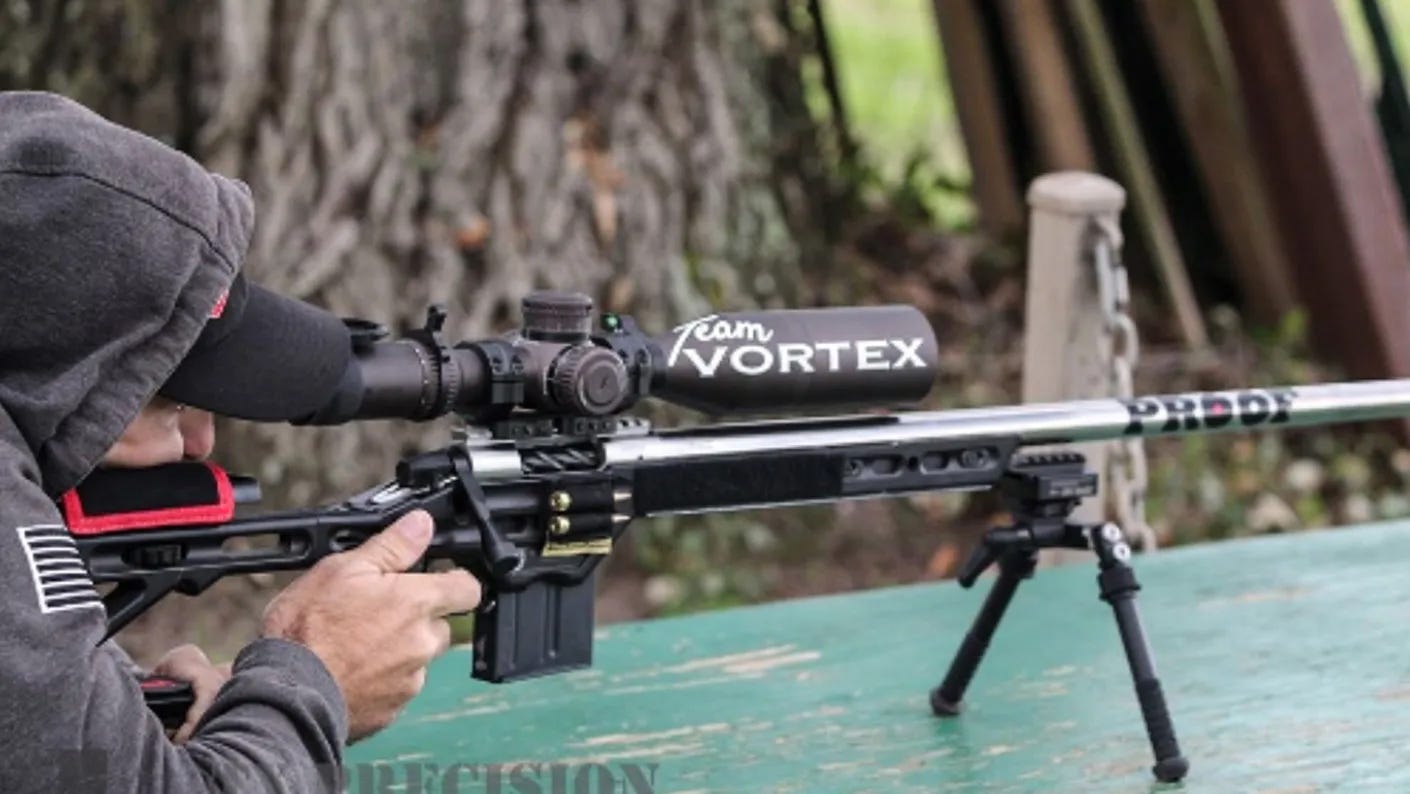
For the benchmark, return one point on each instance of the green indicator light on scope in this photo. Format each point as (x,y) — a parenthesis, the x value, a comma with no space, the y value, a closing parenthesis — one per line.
(611,322)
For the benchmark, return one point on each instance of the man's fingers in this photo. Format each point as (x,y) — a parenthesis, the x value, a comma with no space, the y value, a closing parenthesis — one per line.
(183,662)
(189,663)
(448,592)
(400,545)
(206,686)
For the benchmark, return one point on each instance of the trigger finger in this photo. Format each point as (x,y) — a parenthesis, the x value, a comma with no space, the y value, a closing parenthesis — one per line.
(455,592)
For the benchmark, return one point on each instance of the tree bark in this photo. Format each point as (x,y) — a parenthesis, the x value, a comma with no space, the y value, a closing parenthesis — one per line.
(656,155)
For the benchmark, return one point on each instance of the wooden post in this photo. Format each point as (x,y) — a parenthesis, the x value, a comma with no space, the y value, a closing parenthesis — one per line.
(1134,163)
(1046,83)
(1065,354)
(1194,59)
(974,84)
(1329,179)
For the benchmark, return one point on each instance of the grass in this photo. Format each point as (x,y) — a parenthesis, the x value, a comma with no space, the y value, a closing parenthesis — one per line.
(897,98)
(1397,15)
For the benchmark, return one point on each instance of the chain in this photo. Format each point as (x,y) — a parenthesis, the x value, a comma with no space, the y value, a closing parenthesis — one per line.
(1122,346)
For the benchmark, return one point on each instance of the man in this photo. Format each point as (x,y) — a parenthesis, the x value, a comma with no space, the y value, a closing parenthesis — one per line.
(118,280)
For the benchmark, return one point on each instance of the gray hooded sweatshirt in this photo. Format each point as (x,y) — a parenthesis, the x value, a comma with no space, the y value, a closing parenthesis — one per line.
(113,251)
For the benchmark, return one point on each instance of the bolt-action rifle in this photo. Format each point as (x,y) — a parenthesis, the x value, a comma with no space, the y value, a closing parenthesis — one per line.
(549,469)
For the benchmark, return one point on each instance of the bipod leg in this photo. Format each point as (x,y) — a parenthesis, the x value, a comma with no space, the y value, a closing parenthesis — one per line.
(1015,565)
(1118,588)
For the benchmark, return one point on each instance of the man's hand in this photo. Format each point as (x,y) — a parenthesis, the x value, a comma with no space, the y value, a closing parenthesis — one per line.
(375,627)
(188,663)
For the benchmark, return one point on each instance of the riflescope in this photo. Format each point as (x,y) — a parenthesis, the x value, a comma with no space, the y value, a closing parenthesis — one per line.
(557,366)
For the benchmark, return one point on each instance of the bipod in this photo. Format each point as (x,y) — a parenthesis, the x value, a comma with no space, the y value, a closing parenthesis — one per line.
(1041,491)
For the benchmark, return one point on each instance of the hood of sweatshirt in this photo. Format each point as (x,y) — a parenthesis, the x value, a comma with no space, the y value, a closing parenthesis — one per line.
(114,250)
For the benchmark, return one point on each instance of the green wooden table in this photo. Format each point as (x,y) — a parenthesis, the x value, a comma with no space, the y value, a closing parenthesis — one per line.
(1286,661)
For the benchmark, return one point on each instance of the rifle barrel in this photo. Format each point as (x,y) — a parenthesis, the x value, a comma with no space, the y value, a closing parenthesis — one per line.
(1043,423)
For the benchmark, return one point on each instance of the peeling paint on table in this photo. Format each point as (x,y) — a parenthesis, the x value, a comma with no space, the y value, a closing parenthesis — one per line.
(1286,661)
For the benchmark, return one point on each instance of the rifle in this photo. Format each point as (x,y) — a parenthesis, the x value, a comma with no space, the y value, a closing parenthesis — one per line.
(548,469)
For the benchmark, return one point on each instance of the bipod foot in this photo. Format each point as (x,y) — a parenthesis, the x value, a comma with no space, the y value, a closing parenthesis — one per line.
(1040,492)
(1015,565)
(1118,584)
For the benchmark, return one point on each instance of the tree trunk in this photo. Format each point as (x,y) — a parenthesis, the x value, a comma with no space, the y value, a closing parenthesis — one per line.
(656,155)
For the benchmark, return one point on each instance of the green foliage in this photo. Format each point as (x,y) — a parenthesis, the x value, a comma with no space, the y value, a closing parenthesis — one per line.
(1397,16)
(702,562)
(899,109)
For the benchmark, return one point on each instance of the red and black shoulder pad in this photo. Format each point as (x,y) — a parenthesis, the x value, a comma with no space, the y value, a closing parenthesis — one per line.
(174,494)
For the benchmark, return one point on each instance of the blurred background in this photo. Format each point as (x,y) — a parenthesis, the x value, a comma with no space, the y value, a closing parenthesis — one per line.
(669,157)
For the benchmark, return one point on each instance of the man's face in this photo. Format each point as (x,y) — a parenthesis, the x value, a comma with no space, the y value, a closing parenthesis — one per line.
(164,432)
